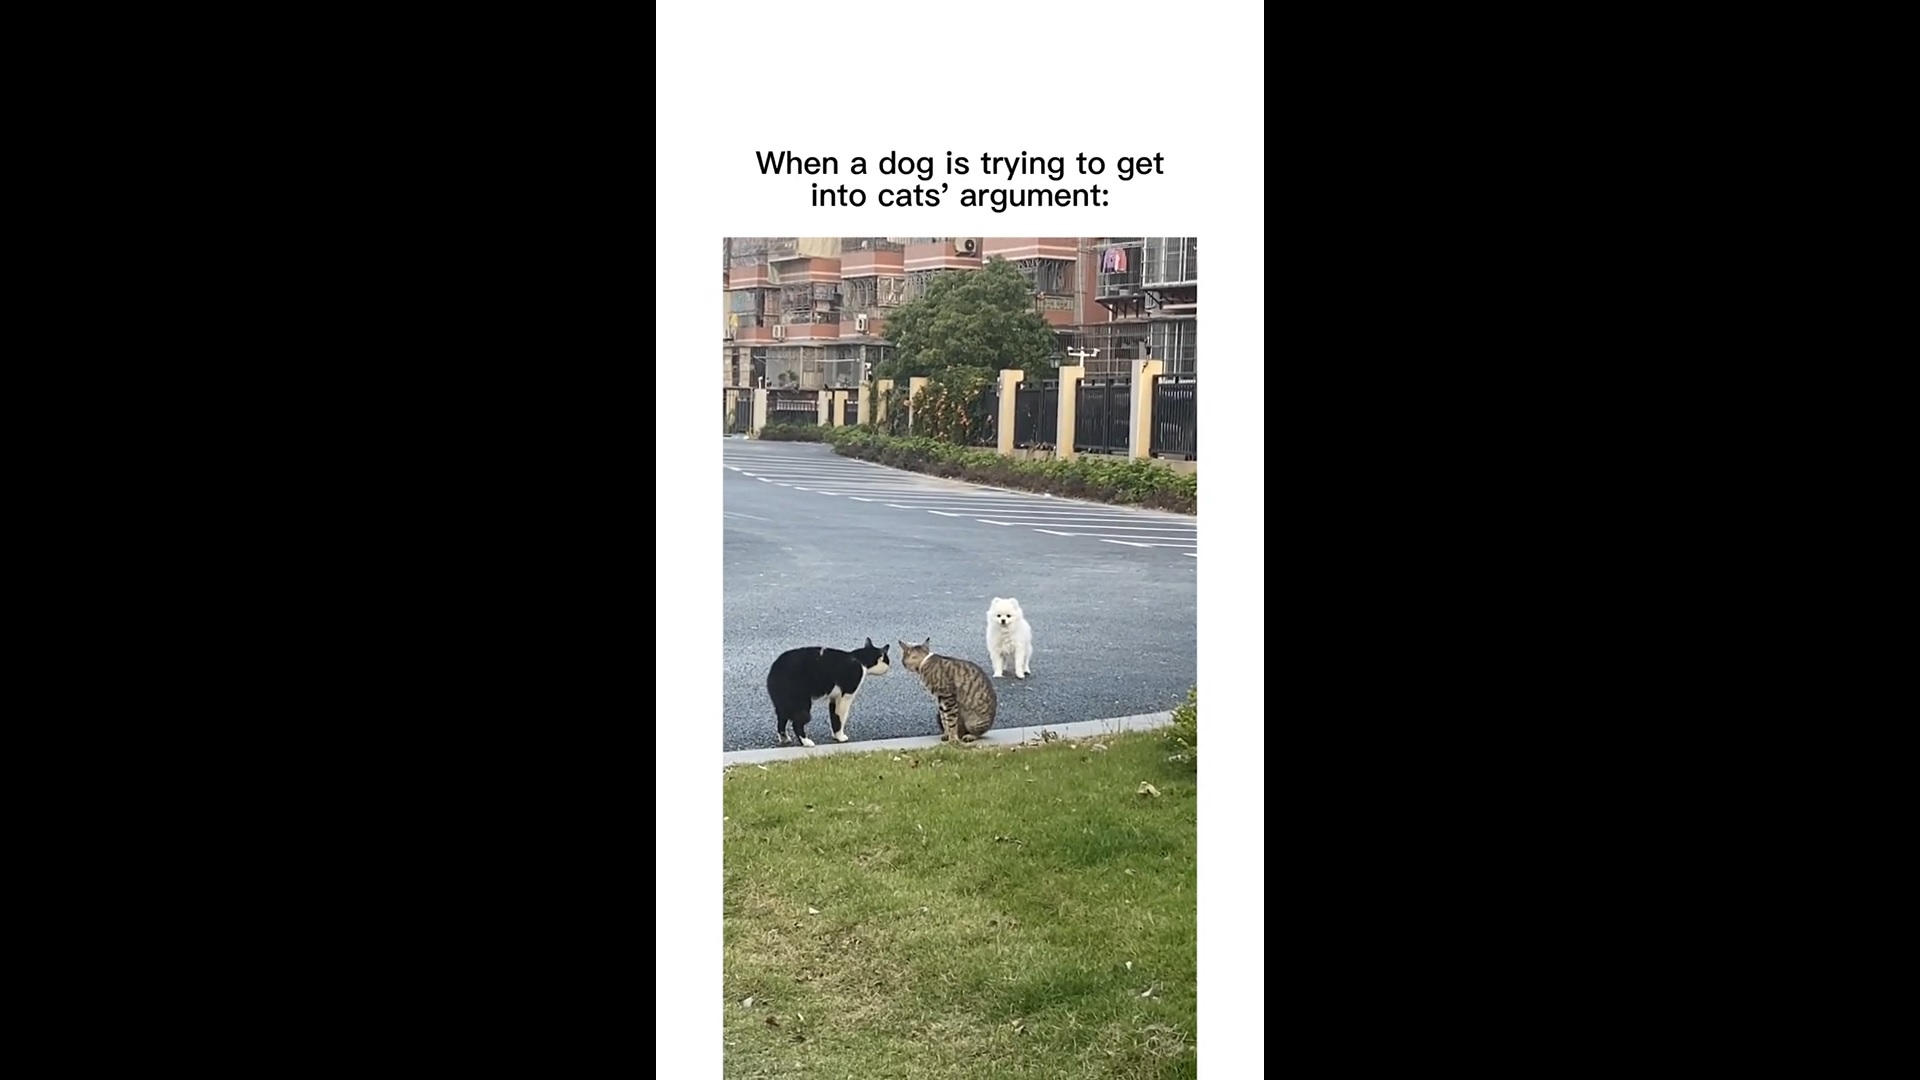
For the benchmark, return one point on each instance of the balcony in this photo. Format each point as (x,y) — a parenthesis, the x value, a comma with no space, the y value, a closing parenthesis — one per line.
(858,264)
(1057,310)
(939,255)
(1169,262)
(811,331)
(802,247)
(752,276)
(806,271)
(1015,248)
(1121,284)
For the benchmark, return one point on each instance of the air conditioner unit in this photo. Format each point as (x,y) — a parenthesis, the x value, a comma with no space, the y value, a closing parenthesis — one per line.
(968,246)
(779,332)
(860,323)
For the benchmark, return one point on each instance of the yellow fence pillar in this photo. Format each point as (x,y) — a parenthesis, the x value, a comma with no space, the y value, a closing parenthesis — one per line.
(823,407)
(863,405)
(882,390)
(839,408)
(759,409)
(1140,425)
(1009,389)
(914,385)
(1070,377)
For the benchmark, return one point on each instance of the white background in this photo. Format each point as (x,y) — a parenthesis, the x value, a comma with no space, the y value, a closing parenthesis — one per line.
(1183,80)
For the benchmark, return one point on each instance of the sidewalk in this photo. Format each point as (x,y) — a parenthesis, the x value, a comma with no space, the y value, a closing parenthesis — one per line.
(1087,729)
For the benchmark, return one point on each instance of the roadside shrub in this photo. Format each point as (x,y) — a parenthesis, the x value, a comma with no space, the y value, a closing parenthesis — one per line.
(950,408)
(794,433)
(1184,733)
(1122,482)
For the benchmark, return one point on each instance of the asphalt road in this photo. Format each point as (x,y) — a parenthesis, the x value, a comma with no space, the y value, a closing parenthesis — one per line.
(826,550)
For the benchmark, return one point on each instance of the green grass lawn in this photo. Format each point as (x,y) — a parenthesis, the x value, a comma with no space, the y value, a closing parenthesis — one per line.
(962,913)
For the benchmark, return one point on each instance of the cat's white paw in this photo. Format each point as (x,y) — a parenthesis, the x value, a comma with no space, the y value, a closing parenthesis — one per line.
(839,736)
(1024,674)
(999,674)
(785,738)
(806,742)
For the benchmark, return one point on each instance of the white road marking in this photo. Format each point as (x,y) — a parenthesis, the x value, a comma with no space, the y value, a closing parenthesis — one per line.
(1009,507)
(1085,532)
(1086,523)
(1045,511)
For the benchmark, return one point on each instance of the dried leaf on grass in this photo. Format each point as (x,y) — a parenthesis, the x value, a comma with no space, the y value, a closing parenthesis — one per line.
(1149,789)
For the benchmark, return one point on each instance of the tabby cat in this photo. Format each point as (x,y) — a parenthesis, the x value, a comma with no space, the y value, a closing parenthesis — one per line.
(960,688)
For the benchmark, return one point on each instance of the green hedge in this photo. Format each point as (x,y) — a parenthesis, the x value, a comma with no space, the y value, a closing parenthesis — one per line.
(1184,732)
(793,433)
(1111,480)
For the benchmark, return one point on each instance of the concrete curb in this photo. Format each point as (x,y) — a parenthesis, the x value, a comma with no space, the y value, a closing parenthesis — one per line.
(1085,729)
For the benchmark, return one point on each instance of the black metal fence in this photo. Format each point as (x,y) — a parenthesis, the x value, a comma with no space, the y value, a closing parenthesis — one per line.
(1036,414)
(896,419)
(1175,418)
(984,417)
(853,409)
(793,407)
(739,413)
(1101,416)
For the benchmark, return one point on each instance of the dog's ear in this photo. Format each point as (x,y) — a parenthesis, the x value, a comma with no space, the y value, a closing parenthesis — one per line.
(869,643)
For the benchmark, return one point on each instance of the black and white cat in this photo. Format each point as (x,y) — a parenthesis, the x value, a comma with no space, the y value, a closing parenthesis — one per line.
(800,677)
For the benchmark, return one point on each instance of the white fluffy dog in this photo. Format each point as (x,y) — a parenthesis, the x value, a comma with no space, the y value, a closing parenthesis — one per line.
(1009,638)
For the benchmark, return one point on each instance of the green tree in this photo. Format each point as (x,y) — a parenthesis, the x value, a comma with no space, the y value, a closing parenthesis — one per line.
(967,323)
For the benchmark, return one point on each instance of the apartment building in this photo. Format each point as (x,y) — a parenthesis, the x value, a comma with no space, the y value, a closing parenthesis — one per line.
(810,312)
(1148,288)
